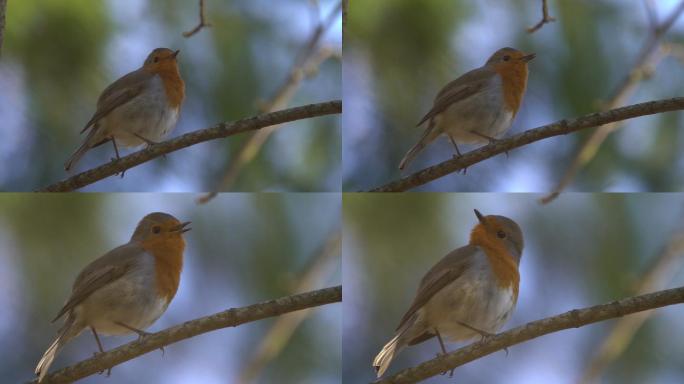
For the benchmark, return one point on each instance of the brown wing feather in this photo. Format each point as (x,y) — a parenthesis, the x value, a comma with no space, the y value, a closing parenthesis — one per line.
(101,272)
(118,93)
(459,89)
(450,268)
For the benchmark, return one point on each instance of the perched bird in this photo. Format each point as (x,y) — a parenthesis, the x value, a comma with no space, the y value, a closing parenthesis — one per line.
(479,106)
(471,291)
(127,289)
(139,108)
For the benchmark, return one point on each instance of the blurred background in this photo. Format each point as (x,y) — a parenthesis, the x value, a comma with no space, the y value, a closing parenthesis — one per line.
(584,249)
(243,249)
(58,56)
(399,53)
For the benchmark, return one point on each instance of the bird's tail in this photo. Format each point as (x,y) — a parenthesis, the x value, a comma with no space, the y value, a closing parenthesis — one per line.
(85,147)
(66,333)
(386,355)
(76,156)
(428,136)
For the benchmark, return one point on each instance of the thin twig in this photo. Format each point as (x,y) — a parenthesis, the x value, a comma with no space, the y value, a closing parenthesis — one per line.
(230,318)
(651,14)
(345,13)
(202,22)
(617,339)
(571,319)
(305,65)
(3,9)
(561,127)
(250,148)
(546,18)
(218,131)
(650,54)
(282,330)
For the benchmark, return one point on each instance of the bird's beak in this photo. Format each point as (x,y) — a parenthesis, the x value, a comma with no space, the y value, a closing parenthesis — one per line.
(181,227)
(480,217)
(175,54)
(528,57)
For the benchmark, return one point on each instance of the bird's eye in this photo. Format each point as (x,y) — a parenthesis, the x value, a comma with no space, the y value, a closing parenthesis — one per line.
(501,235)
(156,229)
(506,58)
(156,59)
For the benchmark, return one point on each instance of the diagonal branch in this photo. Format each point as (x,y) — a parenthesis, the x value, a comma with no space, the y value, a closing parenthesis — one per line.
(218,131)
(546,18)
(202,22)
(250,148)
(305,65)
(617,339)
(561,127)
(230,318)
(284,327)
(650,55)
(3,9)
(345,11)
(571,319)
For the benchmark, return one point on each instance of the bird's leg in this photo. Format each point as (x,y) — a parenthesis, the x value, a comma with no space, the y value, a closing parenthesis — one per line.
(483,334)
(458,153)
(116,151)
(491,139)
(99,346)
(141,334)
(444,352)
(453,142)
(97,339)
(147,141)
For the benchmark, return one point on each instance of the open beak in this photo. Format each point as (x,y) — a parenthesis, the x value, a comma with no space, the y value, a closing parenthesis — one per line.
(175,54)
(528,57)
(181,227)
(480,217)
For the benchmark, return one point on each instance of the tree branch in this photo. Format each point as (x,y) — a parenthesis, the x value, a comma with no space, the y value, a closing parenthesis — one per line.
(284,327)
(571,319)
(202,22)
(216,132)
(614,342)
(546,18)
(3,9)
(305,65)
(345,11)
(561,127)
(230,318)
(647,59)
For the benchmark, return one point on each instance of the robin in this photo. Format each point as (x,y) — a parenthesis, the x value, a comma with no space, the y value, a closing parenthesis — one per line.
(139,108)
(472,291)
(127,289)
(479,106)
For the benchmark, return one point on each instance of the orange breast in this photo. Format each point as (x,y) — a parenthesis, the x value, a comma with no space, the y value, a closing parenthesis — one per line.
(168,256)
(514,83)
(505,269)
(502,262)
(173,86)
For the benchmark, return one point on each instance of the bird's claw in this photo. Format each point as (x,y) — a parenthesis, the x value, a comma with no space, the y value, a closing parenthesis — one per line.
(109,370)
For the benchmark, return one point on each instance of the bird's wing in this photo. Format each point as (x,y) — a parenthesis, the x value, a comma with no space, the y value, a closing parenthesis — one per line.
(457,90)
(101,272)
(118,93)
(450,268)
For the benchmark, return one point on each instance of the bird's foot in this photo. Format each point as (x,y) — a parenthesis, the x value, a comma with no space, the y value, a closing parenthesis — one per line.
(457,156)
(114,159)
(141,334)
(109,370)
